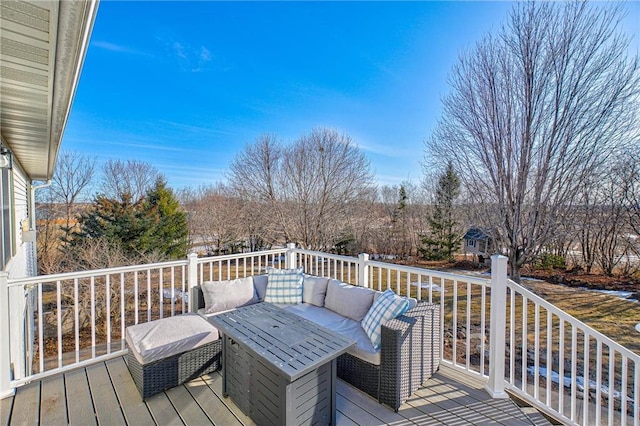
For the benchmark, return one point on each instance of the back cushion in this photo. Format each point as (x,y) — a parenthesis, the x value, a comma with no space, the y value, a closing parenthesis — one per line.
(224,295)
(314,290)
(348,300)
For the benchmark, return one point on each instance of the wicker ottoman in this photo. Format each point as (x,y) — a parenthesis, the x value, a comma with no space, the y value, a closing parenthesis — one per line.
(170,351)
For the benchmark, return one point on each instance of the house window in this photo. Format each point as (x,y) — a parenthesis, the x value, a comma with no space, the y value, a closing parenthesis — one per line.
(471,243)
(6,246)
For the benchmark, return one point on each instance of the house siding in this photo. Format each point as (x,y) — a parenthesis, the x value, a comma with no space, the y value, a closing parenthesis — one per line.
(21,264)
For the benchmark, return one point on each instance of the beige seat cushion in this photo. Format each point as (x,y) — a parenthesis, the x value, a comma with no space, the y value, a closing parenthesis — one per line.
(159,339)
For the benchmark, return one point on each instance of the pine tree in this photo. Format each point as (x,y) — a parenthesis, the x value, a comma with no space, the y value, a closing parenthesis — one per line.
(154,224)
(169,232)
(440,243)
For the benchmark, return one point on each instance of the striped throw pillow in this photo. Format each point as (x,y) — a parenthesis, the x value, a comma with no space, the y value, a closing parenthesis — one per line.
(387,307)
(284,286)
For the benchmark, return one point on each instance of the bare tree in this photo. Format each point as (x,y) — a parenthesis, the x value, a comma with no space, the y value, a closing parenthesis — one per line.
(307,186)
(127,177)
(71,181)
(534,111)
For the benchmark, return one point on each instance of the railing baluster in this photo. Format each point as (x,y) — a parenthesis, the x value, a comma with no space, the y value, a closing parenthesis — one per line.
(612,383)
(135,297)
(598,418)
(59,321)
(636,394)
(549,363)
(149,298)
(108,313)
(93,316)
(574,370)
(483,327)
(184,296)
(76,317)
(536,353)
(468,326)
(561,349)
(525,349)
(40,328)
(123,318)
(585,375)
(512,337)
(623,389)
(161,296)
(173,292)
(455,323)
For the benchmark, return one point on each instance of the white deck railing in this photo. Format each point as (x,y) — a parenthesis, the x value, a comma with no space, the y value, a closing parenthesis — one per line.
(541,353)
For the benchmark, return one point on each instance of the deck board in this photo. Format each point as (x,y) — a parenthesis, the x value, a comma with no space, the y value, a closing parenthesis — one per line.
(134,409)
(5,410)
(162,410)
(78,397)
(190,411)
(211,404)
(26,405)
(107,407)
(53,406)
(105,394)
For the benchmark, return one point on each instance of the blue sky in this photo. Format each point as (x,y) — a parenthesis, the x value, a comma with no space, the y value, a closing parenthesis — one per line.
(186,85)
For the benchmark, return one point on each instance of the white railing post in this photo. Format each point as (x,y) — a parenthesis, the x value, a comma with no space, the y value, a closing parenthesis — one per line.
(192,278)
(363,270)
(5,349)
(291,261)
(497,324)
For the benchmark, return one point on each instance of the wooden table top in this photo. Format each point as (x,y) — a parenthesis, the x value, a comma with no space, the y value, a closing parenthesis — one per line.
(292,344)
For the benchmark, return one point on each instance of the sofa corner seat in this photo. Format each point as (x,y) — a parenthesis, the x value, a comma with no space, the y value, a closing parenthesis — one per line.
(410,344)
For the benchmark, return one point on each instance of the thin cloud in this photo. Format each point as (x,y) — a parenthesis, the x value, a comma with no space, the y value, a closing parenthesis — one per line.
(112,47)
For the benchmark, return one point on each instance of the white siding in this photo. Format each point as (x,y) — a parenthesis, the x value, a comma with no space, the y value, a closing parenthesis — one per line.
(22,264)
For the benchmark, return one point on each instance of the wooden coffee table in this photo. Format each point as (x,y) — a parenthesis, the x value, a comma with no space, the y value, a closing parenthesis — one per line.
(279,368)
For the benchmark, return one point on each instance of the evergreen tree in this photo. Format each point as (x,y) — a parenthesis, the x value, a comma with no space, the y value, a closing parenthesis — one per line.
(154,224)
(169,230)
(442,240)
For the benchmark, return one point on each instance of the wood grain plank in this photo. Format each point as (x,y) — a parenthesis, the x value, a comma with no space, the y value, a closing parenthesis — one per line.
(104,397)
(162,411)
(367,403)
(53,404)
(79,404)
(6,405)
(133,407)
(355,413)
(188,408)
(26,405)
(215,383)
(211,404)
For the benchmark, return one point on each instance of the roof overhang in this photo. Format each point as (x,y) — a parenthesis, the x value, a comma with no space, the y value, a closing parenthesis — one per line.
(42,48)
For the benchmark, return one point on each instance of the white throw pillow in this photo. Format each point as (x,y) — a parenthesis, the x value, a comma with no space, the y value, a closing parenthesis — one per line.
(224,295)
(284,286)
(348,300)
(314,290)
(387,307)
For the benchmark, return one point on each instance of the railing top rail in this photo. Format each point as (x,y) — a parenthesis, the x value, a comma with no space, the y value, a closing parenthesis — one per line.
(431,272)
(241,255)
(93,272)
(576,322)
(326,255)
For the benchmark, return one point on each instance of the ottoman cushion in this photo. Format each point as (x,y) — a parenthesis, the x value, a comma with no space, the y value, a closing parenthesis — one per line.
(163,338)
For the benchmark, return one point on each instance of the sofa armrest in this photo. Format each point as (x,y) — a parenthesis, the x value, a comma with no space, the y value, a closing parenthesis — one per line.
(196,299)
(409,352)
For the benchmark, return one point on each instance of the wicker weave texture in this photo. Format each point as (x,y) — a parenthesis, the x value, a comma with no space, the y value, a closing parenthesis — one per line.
(172,371)
(409,355)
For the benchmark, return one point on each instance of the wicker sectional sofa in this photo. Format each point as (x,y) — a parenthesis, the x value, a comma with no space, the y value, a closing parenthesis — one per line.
(409,352)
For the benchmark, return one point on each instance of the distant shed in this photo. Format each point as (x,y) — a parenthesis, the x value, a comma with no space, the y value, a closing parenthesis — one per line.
(478,243)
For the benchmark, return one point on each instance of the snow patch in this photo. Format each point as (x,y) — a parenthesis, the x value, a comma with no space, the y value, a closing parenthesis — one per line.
(434,287)
(580,383)
(638,328)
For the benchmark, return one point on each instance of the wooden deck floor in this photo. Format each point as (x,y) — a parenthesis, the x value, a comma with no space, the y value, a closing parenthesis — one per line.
(105,394)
